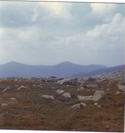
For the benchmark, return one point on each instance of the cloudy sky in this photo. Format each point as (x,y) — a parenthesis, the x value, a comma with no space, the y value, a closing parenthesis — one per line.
(47,33)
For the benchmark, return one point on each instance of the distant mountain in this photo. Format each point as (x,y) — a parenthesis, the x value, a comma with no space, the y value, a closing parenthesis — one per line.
(100,71)
(64,69)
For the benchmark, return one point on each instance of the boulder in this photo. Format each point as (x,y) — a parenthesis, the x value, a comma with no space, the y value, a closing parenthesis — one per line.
(67,81)
(83,104)
(86,98)
(117,92)
(78,105)
(121,87)
(96,104)
(47,96)
(81,88)
(6,89)
(4,104)
(13,99)
(22,87)
(89,85)
(52,79)
(60,91)
(39,86)
(97,95)
(67,95)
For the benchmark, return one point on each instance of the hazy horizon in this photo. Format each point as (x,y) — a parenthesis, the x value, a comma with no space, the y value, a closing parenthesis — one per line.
(59,63)
(48,33)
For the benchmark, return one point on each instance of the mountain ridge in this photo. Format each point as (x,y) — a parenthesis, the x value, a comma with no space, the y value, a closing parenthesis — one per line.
(100,71)
(61,70)
(64,69)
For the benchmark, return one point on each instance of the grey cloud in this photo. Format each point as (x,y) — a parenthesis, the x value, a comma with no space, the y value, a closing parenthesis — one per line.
(20,14)
(34,32)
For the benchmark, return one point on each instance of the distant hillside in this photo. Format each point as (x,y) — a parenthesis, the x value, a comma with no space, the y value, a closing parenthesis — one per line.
(100,71)
(65,69)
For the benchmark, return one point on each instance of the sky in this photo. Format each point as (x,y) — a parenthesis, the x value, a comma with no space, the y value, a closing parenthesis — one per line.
(48,33)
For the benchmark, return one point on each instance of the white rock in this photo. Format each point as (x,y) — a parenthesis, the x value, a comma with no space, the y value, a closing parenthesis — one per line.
(121,87)
(91,98)
(69,81)
(39,86)
(47,96)
(108,89)
(7,88)
(81,88)
(60,91)
(117,92)
(67,95)
(95,104)
(99,92)
(69,86)
(13,98)
(21,87)
(76,106)
(34,85)
(4,104)
(83,104)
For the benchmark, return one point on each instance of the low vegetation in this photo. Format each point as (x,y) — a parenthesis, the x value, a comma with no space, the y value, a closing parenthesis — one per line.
(26,109)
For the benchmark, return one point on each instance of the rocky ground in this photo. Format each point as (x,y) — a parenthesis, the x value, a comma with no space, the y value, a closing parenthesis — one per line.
(68,104)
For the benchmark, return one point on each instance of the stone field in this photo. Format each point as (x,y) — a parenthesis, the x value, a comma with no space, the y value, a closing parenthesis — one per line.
(63,104)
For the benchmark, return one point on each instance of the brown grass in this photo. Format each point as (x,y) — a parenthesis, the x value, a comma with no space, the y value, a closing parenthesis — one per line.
(32,112)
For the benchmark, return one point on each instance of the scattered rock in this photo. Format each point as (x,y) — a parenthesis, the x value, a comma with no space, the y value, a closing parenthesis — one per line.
(60,91)
(70,86)
(52,79)
(117,92)
(6,89)
(86,98)
(83,104)
(89,85)
(4,104)
(67,95)
(13,98)
(121,87)
(96,104)
(78,106)
(47,96)
(67,81)
(39,86)
(81,88)
(22,87)
(97,95)
(108,89)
